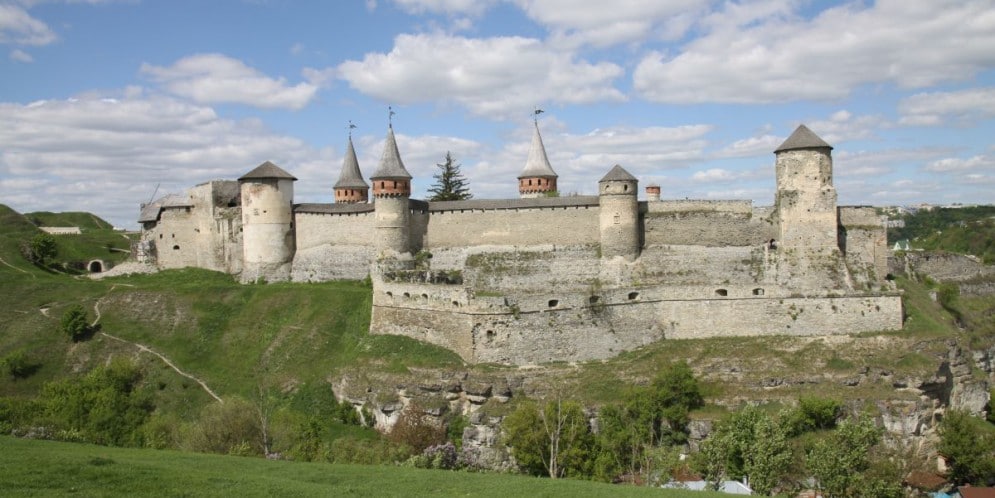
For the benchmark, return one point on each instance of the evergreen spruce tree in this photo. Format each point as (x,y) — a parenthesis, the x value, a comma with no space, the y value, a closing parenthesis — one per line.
(450,185)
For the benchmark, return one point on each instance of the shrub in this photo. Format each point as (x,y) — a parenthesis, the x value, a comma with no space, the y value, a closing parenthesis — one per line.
(232,427)
(18,365)
(74,323)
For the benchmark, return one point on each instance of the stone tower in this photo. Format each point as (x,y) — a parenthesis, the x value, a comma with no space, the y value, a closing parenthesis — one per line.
(351,188)
(267,223)
(538,178)
(619,218)
(806,198)
(653,192)
(391,191)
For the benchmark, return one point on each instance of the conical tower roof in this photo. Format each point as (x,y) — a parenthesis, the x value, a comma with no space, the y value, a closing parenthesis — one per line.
(350,176)
(803,138)
(267,170)
(538,164)
(618,174)
(391,165)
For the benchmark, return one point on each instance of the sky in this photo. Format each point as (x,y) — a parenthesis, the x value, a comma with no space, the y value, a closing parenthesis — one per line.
(106,104)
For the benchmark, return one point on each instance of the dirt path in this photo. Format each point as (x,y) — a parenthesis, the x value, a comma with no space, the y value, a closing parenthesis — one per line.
(14,267)
(146,349)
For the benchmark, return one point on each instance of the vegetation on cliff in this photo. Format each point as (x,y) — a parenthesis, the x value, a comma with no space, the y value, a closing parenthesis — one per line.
(964,230)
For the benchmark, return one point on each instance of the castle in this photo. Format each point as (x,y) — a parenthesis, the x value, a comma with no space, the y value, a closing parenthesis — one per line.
(545,278)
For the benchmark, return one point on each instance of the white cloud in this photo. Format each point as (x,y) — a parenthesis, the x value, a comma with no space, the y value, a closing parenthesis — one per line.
(578,23)
(17,26)
(933,107)
(971,164)
(21,56)
(450,7)
(495,77)
(106,155)
(775,55)
(216,78)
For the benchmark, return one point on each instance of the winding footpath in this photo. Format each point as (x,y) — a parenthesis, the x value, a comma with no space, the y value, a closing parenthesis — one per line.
(144,348)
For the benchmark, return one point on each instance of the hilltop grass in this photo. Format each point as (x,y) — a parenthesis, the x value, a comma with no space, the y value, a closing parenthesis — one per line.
(33,468)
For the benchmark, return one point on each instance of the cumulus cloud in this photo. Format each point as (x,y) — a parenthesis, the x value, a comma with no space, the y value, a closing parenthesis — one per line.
(970,165)
(217,78)
(106,155)
(580,23)
(494,77)
(17,26)
(749,55)
(932,108)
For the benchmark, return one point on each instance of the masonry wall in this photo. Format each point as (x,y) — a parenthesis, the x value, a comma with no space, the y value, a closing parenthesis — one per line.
(333,246)
(864,240)
(508,227)
(706,223)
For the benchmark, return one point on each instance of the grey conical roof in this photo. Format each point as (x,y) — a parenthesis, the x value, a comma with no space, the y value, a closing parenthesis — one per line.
(350,176)
(391,165)
(267,170)
(618,174)
(803,138)
(538,164)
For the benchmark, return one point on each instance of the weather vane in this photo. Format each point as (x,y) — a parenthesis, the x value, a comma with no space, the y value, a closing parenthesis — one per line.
(536,113)
(351,127)
(390,116)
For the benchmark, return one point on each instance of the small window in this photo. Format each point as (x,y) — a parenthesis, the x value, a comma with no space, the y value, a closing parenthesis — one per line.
(389,294)
(633,296)
(758,292)
(593,299)
(424,296)
(176,248)
(721,292)
(407,295)
(554,303)
(456,304)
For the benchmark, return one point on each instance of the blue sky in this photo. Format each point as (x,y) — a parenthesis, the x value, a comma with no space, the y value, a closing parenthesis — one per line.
(101,101)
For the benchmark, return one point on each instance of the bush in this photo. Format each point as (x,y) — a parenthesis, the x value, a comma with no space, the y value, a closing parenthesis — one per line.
(232,427)
(74,323)
(18,365)
(415,430)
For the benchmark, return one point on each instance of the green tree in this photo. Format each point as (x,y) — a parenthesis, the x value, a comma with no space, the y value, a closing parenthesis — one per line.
(74,322)
(40,250)
(18,365)
(968,445)
(839,461)
(675,392)
(450,185)
(813,413)
(552,440)
(749,444)
(232,427)
(106,406)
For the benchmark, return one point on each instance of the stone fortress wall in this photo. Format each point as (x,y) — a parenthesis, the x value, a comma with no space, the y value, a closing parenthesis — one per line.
(575,278)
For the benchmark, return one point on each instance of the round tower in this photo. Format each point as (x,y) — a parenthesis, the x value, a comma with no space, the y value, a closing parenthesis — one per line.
(806,198)
(653,193)
(619,214)
(391,192)
(267,194)
(351,188)
(537,178)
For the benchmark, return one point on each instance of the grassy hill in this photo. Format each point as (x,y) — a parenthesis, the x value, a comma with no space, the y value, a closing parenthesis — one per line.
(967,230)
(97,240)
(285,344)
(33,468)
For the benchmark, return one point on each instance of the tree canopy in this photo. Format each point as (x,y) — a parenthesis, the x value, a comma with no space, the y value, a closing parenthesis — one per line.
(450,184)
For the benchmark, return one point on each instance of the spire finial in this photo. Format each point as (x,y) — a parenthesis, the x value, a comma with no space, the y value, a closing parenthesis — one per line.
(535,115)
(351,127)
(390,116)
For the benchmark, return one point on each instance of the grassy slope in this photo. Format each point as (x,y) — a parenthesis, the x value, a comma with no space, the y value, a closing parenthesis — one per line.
(32,468)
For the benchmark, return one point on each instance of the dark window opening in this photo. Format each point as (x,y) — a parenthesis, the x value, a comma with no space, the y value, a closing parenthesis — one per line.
(721,292)
(553,303)
(176,248)
(633,296)
(424,296)
(389,294)
(593,299)
(758,292)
